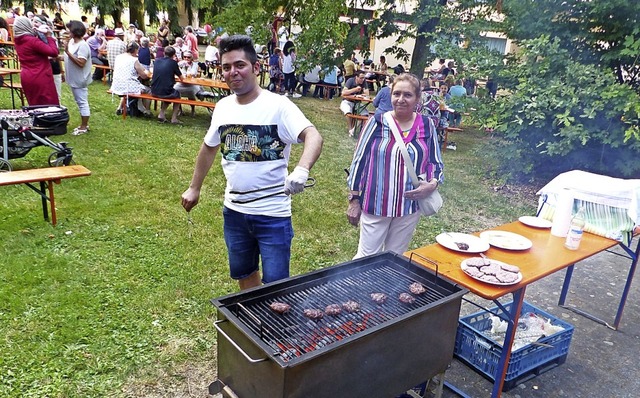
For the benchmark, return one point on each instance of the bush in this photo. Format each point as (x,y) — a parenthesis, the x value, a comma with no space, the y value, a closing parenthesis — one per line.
(562,115)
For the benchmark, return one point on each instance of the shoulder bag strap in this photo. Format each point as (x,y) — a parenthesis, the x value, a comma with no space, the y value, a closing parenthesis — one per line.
(403,149)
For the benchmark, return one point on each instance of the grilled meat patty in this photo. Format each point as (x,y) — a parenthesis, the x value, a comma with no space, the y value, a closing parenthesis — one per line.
(379,298)
(313,313)
(406,298)
(333,309)
(280,308)
(351,306)
(417,288)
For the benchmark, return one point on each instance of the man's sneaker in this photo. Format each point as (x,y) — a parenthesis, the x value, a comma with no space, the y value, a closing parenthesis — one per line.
(351,131)
(452,146)
(296,95)
(286,94)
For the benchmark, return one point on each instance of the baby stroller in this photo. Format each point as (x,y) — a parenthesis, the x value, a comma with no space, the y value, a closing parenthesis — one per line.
(29,127)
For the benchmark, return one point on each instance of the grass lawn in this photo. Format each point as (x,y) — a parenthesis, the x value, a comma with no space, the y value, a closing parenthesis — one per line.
(114,301)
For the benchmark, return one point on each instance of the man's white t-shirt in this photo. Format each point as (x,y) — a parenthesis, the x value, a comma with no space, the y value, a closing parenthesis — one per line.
(255,142)
(211,54)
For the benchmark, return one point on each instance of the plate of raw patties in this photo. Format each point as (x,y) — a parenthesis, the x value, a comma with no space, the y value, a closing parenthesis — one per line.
(491,271)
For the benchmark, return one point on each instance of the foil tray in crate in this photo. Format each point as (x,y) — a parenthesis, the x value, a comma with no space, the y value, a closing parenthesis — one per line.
(483,354)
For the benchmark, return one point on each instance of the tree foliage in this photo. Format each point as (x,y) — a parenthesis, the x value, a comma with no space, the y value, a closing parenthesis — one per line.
(562,114)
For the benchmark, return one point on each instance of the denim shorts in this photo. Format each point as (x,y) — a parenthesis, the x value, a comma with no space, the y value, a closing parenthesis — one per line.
(251,238)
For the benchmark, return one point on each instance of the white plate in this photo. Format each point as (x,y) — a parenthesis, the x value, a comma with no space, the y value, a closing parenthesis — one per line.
(476,245)
(506,240)
(535,222)
(464,267)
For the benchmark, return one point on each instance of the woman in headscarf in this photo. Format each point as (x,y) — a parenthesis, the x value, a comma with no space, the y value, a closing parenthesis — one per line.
(34,52)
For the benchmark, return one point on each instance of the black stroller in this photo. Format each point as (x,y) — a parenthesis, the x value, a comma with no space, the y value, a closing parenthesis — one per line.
(29,127)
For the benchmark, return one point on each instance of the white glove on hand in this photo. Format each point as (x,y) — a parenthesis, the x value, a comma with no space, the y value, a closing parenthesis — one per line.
(296,180)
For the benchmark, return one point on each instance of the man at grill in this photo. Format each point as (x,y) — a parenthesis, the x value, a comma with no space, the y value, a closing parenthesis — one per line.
(254,130)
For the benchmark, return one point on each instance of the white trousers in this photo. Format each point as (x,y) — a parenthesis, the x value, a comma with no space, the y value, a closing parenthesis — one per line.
(57,79)
(378,234)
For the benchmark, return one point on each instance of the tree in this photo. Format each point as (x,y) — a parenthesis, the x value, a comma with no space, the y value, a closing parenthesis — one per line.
(605,33)
(562,114)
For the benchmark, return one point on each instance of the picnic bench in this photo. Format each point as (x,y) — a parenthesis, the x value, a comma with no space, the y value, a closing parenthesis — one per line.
(106,71)
(445,136)
(46,177)
(182,101)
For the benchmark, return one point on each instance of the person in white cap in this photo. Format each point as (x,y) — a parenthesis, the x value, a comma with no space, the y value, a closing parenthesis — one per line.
(130,34)
(116,46)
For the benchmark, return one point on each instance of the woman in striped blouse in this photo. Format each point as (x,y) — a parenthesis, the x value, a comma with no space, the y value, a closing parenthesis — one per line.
(382,199)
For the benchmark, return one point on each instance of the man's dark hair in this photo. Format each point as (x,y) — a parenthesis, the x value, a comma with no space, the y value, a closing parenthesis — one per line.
(169,52)
(238,42)
(132,47)
(76,28)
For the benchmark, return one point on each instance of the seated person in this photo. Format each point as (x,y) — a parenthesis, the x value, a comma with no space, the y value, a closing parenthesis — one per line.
(354,86)
(144,54)
(456,93)
(165,71)
(211,58)
(98,46)
(330,79)
(189,69)
(127,73)
(382,101)
(309,78)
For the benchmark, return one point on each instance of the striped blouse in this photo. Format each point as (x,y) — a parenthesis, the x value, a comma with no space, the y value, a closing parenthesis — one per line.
(378,170)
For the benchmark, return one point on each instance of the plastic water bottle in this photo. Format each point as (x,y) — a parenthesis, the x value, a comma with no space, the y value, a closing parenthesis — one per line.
(575,231)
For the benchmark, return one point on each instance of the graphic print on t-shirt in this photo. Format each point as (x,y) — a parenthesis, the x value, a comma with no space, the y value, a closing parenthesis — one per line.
(250,143)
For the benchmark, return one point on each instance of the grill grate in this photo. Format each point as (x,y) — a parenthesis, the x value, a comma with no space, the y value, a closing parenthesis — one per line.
(293,335)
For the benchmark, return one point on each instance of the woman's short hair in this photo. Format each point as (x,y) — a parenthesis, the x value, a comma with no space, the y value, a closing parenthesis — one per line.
(409,78)
(76,28)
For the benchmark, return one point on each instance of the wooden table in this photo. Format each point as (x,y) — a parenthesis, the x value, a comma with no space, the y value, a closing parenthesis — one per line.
(46,177)
(10,72)
(360,103)
(216,86)
(547,256)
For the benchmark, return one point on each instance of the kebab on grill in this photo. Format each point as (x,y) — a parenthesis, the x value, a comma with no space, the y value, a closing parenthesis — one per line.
(379,298)
(406,298)
(313,313)
(417,288)
(280,308)
(351,306)
(333,309)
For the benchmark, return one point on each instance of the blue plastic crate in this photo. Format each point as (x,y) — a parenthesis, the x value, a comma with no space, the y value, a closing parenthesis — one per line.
(483,353)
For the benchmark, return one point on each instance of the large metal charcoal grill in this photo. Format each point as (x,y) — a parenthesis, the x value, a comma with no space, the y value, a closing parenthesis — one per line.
(378,351)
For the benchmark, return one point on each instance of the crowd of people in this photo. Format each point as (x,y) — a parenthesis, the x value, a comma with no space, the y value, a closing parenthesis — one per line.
(257,217)
(128,54)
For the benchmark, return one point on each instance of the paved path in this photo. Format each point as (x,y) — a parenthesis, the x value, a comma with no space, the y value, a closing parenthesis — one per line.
(601,362)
